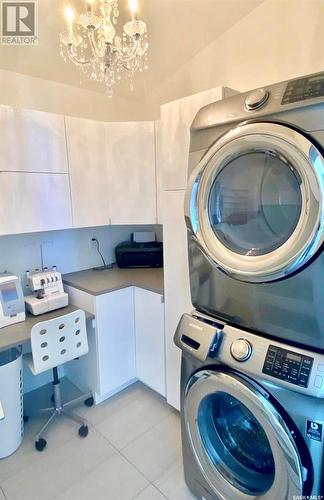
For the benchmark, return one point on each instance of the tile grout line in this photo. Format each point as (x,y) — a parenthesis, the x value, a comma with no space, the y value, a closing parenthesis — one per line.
(137,437)
(125,458)
(147,486)
(161,492)
(1,491)
(147,430)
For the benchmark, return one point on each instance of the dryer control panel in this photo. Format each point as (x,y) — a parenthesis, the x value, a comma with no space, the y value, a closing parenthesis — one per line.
(304,88)
(288,365)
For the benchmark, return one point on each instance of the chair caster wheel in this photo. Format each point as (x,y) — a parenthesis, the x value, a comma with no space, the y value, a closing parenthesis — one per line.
(83,431)
(89,402)
(26,418)
(40,444)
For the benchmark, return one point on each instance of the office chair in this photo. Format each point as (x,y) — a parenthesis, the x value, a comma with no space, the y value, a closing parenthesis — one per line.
(55,342)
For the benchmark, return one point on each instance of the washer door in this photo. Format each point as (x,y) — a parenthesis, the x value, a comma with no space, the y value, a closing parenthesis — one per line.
(241,443)
(255,202)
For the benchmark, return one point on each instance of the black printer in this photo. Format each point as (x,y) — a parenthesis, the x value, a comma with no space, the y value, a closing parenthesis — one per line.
(139,254)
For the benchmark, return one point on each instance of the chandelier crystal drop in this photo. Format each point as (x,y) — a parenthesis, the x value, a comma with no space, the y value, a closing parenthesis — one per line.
(91,42)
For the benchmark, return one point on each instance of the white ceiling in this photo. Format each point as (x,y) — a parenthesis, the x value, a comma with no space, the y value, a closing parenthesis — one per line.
(178,30)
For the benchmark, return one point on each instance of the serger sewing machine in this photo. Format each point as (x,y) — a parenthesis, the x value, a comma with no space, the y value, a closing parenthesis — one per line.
(48,293)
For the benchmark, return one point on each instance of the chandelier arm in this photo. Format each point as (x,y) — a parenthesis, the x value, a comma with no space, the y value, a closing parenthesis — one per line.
(75,60)
(124,58)
(93,43)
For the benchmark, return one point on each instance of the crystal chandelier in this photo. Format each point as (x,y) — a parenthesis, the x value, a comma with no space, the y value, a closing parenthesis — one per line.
(91,43)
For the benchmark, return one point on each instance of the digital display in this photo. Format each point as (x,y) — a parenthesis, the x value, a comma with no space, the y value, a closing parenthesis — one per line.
(293,357)
(9,292)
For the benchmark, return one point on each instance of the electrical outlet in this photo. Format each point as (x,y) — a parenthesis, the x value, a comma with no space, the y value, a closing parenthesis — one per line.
(48,243)
(93,244)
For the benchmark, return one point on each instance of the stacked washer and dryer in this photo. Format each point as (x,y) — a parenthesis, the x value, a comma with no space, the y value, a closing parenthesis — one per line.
(252,381)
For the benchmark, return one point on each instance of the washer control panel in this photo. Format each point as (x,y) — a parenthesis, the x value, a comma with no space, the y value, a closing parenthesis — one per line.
(241,349)
(288,365)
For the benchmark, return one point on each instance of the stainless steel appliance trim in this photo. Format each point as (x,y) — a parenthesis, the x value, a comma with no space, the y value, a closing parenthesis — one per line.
(308,234)
(197,337)
(288,480)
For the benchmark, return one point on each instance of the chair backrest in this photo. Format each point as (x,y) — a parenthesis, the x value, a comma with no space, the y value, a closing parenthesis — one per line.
(59,340)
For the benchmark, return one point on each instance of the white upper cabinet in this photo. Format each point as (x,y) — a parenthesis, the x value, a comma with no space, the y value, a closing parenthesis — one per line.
(174,136)
(131,172)
(33,202)
(87,153)
(32,141)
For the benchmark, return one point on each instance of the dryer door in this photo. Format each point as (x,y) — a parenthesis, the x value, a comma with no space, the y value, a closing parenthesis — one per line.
(255,202)
(241,443)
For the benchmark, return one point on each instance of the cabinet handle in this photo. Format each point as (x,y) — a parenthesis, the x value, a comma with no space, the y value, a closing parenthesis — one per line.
(2,416)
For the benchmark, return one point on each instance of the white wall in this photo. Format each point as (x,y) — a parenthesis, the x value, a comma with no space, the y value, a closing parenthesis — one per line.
(70,250)
(278,40)
(23,91)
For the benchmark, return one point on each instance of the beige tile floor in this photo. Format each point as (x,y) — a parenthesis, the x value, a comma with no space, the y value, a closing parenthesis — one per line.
(133,451)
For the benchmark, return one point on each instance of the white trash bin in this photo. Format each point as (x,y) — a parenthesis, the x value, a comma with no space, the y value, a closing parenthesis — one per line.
(11,401)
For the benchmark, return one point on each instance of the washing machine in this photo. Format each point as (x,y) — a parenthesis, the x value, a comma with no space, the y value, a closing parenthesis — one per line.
(254,211)
(252,414)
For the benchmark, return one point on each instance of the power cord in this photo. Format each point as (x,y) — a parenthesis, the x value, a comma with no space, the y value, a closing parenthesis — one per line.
(99,252)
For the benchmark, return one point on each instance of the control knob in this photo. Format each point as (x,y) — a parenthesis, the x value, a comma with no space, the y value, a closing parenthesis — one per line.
(256,99)
(241,349)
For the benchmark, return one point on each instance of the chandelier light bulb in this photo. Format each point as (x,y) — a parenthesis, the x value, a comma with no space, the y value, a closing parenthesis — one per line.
(90,4)
(69,16)
(133,6)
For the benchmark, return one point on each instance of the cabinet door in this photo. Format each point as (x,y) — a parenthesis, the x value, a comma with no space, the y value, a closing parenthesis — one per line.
(174,136)
(150,348)
(86,141)
(32,141)
(34,202)
(115,340)
(176,283)
(131,171)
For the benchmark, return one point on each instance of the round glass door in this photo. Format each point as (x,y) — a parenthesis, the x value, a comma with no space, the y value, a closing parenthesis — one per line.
(255,202)
(236,443)
(242,445)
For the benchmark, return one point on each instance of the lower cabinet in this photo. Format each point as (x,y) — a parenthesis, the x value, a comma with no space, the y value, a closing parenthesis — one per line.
(150,349)
(115,339)
(127,342)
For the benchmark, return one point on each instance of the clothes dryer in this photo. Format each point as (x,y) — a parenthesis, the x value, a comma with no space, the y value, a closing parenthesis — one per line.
(255,211)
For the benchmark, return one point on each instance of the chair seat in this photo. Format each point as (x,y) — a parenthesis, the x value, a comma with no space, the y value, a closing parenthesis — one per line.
(28,359)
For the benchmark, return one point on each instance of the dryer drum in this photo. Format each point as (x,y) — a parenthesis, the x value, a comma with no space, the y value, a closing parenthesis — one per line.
(254,203)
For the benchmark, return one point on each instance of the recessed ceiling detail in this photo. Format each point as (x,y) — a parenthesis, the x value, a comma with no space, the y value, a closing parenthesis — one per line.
(177,30)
